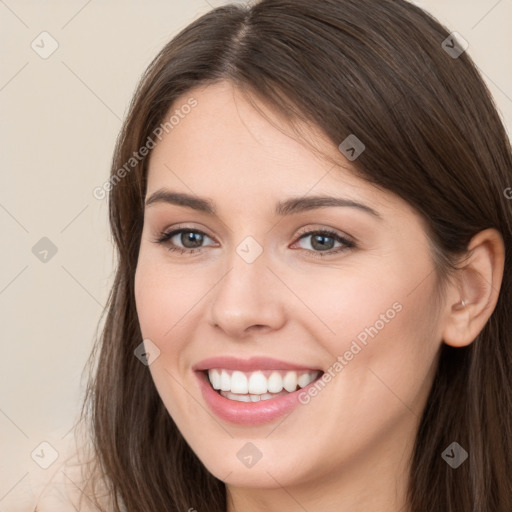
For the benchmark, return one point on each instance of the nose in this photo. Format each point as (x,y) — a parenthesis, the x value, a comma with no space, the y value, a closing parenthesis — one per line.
(249,298)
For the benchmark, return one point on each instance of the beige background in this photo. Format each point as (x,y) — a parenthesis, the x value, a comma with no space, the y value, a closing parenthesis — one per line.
(60,117)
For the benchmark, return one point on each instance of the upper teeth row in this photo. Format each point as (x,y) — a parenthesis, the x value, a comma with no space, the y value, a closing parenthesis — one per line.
(256,383)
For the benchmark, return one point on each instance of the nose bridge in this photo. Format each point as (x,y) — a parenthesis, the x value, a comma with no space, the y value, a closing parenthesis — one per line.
(245,297)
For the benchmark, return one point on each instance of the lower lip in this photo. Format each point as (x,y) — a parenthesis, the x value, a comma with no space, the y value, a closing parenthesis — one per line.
(248,413)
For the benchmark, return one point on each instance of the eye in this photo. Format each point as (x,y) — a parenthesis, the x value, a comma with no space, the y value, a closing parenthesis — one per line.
(322,242)
(191,241)
(190,238)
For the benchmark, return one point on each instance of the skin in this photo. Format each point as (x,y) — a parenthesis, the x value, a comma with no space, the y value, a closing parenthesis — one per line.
(349,448)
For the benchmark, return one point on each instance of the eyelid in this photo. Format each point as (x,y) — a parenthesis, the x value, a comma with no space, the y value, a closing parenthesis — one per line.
(302,231)
(183,227)
(347,242)
(319,228)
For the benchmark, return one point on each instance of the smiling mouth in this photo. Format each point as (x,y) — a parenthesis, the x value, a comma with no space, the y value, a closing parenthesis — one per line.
(258,385)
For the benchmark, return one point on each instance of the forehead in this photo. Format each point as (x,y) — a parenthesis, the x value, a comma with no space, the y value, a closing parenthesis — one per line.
(223,147)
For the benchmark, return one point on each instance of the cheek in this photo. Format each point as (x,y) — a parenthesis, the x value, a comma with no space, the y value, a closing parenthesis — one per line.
(382,362)
(168,302)
(382,333)
(388,343)
(161,301)
(165,300)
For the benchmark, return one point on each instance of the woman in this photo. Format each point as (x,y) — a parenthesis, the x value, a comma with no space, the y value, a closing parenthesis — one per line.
(312,296)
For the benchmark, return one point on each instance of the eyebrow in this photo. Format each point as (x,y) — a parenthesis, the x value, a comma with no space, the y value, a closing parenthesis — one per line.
(288,207)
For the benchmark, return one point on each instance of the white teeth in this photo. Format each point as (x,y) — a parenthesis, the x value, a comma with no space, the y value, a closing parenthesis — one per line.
(239,383)
(255,386)
(257,383)
(275,383)
(304,380)
(225,381)
(290,381)
(240,398)
(215,379)
(250,398)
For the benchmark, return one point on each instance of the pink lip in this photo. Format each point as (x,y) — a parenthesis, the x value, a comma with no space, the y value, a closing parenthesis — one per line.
(248,365)
(248,413)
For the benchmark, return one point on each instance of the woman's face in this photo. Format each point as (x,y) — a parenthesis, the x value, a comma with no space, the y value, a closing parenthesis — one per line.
(276,300)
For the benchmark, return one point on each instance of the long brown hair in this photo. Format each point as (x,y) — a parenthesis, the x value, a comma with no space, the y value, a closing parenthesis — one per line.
(377,69)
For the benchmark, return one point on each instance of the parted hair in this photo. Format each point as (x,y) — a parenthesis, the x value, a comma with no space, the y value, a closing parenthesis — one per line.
(433,136)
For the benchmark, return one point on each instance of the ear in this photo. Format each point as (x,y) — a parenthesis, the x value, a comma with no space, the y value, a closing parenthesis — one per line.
(478,286)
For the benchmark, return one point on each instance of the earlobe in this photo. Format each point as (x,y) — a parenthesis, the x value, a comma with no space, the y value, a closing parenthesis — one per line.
(478,291)
(456,332)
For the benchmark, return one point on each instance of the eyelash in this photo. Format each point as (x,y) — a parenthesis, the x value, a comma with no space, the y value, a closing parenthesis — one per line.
(164,237)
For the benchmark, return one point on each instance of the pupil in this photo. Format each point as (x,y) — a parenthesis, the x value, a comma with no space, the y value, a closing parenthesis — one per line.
(321,244)
(191,237)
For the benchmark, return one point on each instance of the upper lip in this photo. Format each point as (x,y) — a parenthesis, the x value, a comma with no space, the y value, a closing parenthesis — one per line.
(251,364)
